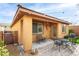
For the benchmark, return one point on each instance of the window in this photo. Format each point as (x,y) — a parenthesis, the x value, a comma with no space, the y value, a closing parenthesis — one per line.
(37,28)
(34,28)
(63,28)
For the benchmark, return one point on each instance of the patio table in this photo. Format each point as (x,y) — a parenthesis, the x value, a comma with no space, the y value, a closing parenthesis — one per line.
(63,42)
(68,44)
(58,43)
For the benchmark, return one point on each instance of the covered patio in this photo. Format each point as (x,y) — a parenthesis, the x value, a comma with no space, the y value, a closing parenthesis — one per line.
(44,28)
(41,30)
(48,48)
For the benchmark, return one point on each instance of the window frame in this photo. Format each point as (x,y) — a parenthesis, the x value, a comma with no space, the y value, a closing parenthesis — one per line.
(64,28)
(37,28)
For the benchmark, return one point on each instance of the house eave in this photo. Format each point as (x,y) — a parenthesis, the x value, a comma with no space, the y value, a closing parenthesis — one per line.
(23,11)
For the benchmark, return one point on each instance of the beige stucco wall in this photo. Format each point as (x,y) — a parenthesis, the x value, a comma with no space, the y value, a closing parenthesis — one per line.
(46,31)
(16,27)
(28,36)
(27,32)
(61,34)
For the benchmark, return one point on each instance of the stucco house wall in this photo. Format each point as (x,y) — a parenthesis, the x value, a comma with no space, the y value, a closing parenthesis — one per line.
(26,34)
(16,27)
(60,33)
(23,24)
(46,30)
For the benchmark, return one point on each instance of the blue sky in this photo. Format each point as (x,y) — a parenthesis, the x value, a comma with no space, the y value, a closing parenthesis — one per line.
(68,12)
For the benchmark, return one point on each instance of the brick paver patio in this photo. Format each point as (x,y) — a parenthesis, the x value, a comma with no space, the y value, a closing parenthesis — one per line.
(47,49)
(50,50)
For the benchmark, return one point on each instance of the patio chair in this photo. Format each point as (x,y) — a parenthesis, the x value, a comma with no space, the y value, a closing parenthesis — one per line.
(58,43)
(21,50)
(72,38)
(65,43)
(69,45)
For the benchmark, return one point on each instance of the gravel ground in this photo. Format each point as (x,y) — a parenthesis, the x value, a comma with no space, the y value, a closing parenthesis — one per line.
(12,50)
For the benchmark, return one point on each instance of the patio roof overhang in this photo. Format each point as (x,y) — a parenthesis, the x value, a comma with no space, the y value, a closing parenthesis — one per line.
(21,11)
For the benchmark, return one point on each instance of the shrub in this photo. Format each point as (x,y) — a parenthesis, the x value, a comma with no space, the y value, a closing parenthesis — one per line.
(72,35)
(77,41)
(66,37)
(77,37)
(71,31)
(74,40)
(3,50)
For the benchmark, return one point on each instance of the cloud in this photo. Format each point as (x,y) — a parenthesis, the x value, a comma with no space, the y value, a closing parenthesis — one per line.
(7,11)
(73,20)
(52,8)
(3,20)
(77,13)
(57,10)
(43,7)
(66,5)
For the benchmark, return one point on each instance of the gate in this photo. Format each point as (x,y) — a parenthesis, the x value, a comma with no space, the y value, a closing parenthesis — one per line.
(9,37)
